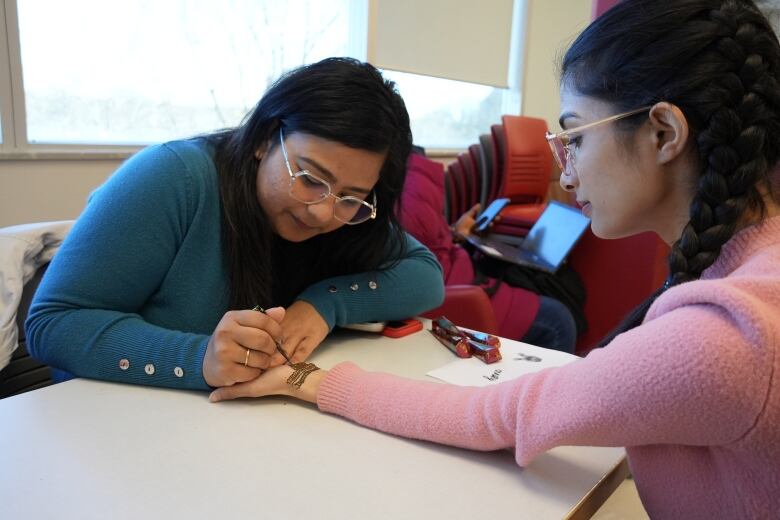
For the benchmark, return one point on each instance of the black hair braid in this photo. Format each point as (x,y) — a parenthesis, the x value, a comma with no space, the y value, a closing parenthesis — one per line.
(731,145)
(729,91)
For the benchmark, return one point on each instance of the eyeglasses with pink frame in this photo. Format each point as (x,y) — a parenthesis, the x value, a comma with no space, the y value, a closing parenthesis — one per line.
(559,143)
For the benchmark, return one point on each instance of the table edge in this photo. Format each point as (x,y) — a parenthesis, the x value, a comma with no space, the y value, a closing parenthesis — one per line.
(599,493)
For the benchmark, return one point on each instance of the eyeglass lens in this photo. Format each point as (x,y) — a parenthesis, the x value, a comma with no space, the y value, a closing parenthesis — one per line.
(559,152)
(309,189)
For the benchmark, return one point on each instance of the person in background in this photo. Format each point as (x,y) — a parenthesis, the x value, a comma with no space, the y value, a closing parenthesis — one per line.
(291,211)
(521,314)
(671,113)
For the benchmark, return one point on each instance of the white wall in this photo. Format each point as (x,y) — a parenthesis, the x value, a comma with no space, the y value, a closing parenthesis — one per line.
(552,26)
(39,190)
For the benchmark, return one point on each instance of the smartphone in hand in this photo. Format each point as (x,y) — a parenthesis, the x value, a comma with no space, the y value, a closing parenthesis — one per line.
(401,328)
(482,223)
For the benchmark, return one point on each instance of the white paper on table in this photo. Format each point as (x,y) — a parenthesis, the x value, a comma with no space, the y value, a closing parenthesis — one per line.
(516,359)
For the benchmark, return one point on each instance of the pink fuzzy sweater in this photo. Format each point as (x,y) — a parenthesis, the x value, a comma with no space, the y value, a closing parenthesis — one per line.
(693,394)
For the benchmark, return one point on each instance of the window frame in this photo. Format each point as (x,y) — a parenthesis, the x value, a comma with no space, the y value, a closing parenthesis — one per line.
(13,117)
(13,114)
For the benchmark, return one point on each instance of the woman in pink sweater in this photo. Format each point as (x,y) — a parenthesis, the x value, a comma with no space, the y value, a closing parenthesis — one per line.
(672,111)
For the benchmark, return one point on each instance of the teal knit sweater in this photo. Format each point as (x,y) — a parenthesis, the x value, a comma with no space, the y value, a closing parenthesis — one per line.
(140,282)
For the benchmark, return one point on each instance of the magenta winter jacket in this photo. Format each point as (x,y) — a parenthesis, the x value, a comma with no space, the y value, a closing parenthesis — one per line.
(422,214)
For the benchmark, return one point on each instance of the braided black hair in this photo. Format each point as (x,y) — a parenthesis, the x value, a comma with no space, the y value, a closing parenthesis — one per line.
(719,62)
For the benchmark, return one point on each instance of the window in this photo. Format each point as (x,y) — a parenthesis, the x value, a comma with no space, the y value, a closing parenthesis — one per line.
(771,8)
(451,114)
(142,71)
(146,71)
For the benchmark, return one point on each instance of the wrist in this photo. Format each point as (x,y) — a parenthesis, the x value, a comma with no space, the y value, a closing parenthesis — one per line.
(310,387)
(457,237)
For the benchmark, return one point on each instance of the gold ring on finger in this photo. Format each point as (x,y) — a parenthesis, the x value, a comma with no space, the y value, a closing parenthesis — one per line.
(246,359)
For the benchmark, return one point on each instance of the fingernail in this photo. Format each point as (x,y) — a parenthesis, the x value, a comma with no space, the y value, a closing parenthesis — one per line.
(213,398)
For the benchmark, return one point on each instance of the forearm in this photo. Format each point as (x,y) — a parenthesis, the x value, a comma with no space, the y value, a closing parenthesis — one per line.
(410,287)
(141,265)
(467,417)
(656,384)
(114,346)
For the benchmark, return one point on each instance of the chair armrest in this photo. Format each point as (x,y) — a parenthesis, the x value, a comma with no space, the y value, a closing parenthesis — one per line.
(468,306)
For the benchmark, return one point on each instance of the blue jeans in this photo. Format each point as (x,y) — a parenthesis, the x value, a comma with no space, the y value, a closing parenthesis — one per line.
(553,327)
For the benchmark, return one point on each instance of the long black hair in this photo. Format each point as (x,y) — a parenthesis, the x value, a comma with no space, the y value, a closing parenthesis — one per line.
(338,99)
(719,62)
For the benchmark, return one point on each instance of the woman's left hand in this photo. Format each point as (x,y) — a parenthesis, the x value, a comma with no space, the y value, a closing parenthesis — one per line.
(303,329)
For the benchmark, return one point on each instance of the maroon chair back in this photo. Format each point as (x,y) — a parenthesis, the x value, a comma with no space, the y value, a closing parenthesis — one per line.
(486,162)
(468,306)
(469,179)
(497,135)
(450,198)
(618,275)
(459,188)
(475,154)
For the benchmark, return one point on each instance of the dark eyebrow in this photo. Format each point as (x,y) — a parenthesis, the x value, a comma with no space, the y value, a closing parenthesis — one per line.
(328,175)
(564,117)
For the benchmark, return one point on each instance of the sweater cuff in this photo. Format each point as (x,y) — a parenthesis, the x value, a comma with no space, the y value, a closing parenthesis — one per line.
(336,389)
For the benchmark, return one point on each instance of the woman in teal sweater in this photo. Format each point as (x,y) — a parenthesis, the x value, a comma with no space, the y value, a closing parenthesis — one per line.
(290,211)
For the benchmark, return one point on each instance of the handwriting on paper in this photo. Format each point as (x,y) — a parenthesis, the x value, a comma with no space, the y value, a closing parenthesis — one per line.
(518,359)
(494,376)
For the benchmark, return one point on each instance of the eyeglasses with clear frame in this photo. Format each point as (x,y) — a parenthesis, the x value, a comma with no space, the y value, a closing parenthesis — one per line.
(309,189)
(560,143)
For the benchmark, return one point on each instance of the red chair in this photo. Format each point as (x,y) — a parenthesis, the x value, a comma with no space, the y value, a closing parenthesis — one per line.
(618,275)
(497,150)
(524,162)
(511,228)
(468,306)
(527,168)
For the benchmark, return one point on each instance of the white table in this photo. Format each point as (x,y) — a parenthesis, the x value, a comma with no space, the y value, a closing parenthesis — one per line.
(87,449)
